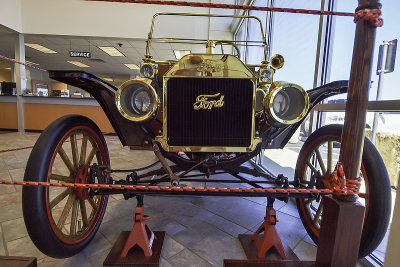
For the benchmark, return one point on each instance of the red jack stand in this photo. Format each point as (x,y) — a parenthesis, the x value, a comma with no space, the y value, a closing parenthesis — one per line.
(140,235)
(136,248)
(271,237)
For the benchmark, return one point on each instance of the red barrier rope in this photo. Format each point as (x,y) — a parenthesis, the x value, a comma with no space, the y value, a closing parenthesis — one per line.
(229,6)
(15,149)
(372,15)
(25,64)
(27,147)
(177,189)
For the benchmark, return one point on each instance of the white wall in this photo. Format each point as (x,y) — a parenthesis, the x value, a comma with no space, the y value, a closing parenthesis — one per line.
(10,14)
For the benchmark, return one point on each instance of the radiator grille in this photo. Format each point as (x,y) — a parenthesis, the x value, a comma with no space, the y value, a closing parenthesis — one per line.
(227,126)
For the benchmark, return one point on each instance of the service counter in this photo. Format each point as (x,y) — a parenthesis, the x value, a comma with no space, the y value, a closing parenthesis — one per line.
(40,111)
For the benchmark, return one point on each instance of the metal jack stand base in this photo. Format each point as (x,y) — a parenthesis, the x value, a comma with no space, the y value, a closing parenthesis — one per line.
(136,248)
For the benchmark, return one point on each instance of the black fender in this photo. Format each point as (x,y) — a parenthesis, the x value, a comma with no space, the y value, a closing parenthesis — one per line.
(278,137)
(129,133)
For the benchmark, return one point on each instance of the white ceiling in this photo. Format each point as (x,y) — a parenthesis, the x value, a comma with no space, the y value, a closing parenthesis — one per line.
(100,62)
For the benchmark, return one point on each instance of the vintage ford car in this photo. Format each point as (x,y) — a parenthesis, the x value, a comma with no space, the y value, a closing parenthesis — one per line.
(207,113)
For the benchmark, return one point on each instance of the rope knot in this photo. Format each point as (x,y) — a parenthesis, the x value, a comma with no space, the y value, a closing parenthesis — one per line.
(371,15)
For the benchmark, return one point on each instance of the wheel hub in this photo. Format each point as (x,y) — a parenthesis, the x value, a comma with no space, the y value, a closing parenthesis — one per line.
(82,177)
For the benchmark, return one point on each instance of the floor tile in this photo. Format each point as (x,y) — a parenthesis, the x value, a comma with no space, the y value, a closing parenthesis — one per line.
(164,263)
(50,262)
(113,228)
(187,258)
(98,244)
(97,259)
(171,247)
(227,226)
(290,208)
(2,243)
(14,229)
(171,227)
(10,198)
(305,251)
(290,229)
(10,212)
(215,249)
(24,247)
(80,260)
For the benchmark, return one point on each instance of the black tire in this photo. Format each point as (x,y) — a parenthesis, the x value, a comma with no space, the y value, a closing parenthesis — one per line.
(44,164)
(376,183)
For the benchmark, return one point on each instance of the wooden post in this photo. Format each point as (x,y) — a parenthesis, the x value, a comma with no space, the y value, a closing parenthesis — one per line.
(357,98)
(340,234)
(341,225)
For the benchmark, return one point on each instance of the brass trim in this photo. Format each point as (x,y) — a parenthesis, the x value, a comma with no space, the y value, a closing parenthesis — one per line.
(269,98)
(150,35)
(156,100)
(210,66)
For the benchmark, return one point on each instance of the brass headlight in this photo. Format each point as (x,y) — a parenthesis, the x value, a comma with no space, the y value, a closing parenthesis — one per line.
(137,100)
(265,75)
(147,70)
(277,61)
(286,103)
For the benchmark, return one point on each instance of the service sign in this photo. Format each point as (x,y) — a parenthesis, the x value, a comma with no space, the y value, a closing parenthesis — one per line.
(79,54)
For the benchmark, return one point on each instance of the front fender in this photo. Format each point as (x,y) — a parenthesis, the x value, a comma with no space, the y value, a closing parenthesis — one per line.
(278,137)
(129,133)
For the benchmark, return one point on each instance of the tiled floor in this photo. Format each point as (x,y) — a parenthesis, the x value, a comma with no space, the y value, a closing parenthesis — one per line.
(201,231)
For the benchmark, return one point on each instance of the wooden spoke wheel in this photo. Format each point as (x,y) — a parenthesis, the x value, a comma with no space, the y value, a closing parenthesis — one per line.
(62,221)
(318,156)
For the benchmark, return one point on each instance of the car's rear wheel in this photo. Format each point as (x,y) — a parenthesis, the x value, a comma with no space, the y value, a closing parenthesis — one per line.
(62,221)
(317,156)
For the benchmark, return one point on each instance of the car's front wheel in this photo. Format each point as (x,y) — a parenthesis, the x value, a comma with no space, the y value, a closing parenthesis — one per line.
(62,221)
(317,157)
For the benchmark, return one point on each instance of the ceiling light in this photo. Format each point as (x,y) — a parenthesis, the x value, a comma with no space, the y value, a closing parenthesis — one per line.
(8,68)
(79,64)
(180,53)
(41,48)
(132,66)
(31,63)
(108,79)
(112,51)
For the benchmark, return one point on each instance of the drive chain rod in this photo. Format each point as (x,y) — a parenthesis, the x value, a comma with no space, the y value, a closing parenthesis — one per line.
(150,188)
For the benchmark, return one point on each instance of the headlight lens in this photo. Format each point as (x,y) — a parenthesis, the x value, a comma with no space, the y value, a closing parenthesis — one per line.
(281,103)
(147,70)
(137,100)
(266,76)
